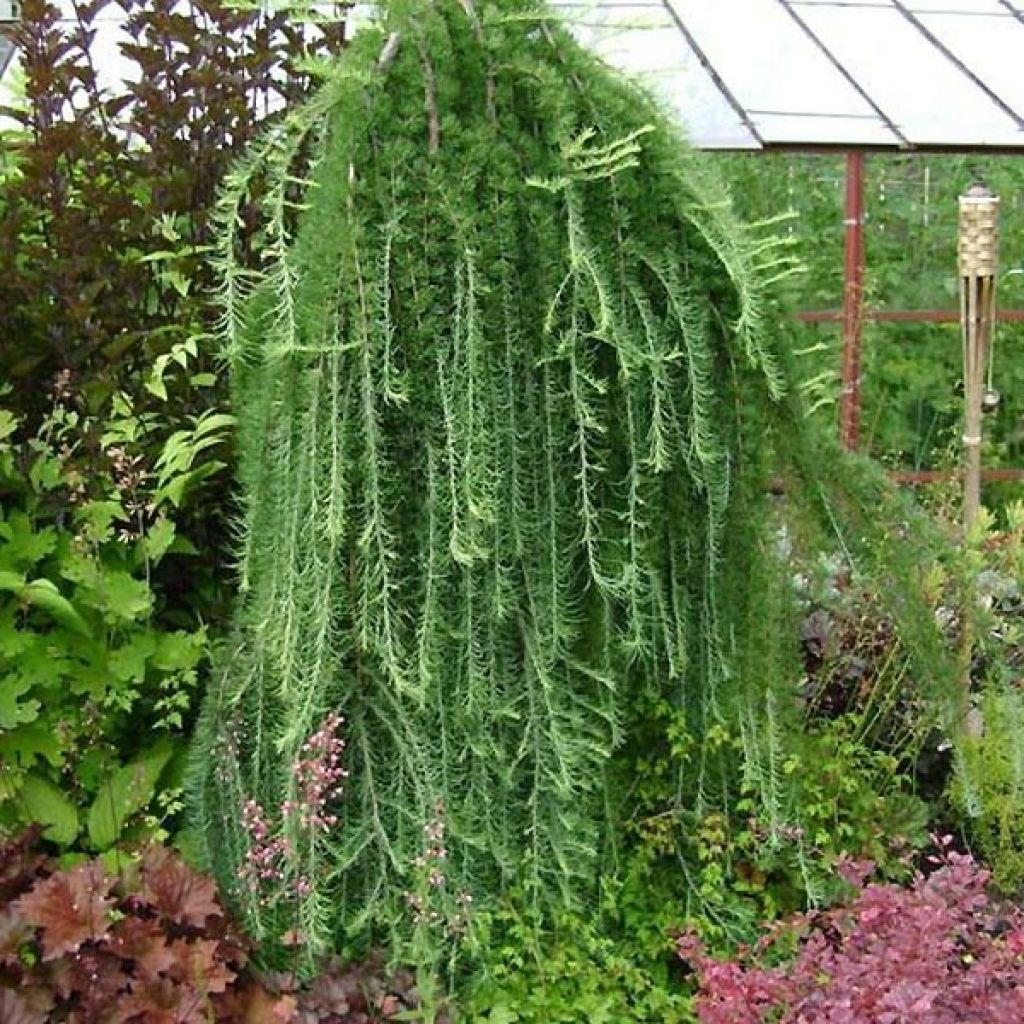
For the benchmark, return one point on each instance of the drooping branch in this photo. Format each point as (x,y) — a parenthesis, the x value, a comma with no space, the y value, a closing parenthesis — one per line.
(501,440)
(430,102)
(489,83)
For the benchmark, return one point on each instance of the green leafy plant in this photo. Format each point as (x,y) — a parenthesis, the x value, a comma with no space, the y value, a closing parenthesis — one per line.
(911,372)
(582,972)
(740,865)
(990,798)
(99,662)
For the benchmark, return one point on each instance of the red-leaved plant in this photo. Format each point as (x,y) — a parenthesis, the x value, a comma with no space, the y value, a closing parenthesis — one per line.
(151,944)
(147,944)
(939,951)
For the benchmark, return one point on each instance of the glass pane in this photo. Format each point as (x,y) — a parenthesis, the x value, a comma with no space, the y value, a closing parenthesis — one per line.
(955,6)
(773,68)
(992,47)
(645,41)
(811,129)
(837,3)
(930,100)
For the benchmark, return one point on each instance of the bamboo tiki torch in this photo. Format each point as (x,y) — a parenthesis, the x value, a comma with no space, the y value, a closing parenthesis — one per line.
(979,257)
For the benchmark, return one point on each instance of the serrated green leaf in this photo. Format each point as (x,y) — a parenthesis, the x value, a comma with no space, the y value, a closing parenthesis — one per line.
(114,592)
(30,743)
(125,793)
(47,473)
(13,711)
(99,518)
(179,650)
(501,1014)
(23,544)
(8,424)
(40,800)
(128,662)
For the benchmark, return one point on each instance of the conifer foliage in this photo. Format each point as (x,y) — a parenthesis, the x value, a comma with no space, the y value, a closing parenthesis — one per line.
(506,402)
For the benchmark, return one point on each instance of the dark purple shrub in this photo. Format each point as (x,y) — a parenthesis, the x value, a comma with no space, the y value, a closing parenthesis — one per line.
(110,176)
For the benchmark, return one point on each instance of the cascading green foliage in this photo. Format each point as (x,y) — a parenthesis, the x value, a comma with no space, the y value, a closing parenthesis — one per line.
(507,409)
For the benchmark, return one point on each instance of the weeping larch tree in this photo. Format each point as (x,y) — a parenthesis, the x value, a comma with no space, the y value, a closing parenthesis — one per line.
(508,402)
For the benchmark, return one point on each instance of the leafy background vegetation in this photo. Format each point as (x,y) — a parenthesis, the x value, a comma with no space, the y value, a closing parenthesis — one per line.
(117,448)
(911,372)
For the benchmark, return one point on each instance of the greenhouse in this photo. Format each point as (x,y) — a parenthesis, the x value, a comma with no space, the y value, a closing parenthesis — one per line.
(511,512)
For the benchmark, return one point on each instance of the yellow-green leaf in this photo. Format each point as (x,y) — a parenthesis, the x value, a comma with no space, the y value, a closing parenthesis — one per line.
(126,792)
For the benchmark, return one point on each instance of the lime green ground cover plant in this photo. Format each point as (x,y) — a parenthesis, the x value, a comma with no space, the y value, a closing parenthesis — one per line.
(509,399)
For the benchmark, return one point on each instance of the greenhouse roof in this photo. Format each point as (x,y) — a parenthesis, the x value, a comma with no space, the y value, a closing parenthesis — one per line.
(879,74)
(6,52)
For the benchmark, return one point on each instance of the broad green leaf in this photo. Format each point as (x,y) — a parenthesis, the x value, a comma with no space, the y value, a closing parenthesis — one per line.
(14,641)
(23,544)
(183,546)
(179,650)
(155,386)
(158,539)
(99,518)
(501,1014)
(45,595)
(30,743)
(158,256)
(128,662)
(8,424)
(11,581)
(119,595)
(175,490)
(13,711)
(126,792)
(47,473)
(40,800)
(45,659)
(214,421)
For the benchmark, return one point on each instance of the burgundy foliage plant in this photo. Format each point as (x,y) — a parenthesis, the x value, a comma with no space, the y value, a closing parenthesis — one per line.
(101,178)
(939,951)
(149,943)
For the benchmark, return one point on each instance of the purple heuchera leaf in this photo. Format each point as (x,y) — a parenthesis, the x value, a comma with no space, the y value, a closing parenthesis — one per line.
(939,951)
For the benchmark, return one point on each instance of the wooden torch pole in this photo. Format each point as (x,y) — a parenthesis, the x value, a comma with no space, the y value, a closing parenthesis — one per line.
(979,257)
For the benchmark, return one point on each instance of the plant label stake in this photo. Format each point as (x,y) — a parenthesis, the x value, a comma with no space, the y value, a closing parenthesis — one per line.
(979,257)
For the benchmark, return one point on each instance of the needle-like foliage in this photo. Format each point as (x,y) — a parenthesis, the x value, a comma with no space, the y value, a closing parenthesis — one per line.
(508,409)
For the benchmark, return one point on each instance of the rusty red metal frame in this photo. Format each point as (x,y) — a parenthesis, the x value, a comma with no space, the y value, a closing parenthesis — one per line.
(853,299)
(901,316)
(933,476)
(853,316)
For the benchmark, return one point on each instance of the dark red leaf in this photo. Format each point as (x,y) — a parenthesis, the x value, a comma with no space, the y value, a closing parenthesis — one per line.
(142,941)
(70,908)
(176,892)
(27,1006)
